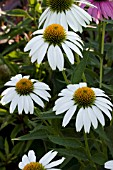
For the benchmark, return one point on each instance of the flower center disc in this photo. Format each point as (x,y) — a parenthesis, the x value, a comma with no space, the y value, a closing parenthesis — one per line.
(34,166)
(84,96)
(59,5)
(24,86)
(54,34)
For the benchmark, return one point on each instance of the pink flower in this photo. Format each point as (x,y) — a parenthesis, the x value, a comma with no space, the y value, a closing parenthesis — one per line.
(104,9)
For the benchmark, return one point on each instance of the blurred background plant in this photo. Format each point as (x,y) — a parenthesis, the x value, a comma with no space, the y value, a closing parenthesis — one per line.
(43,131)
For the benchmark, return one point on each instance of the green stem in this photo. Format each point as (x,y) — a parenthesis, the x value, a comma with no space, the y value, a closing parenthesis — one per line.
(88,150)
(102,52)
(65,77)
(78,61)
(87,146)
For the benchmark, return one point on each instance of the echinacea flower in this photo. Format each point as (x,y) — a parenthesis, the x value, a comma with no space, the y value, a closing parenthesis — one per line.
(90,103)
(104,9)
(54,40)
(65,13)
(109,165)
(29,162)
(23,92)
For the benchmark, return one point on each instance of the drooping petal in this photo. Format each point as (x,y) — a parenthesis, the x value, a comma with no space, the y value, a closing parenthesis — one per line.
(79,120)
(60,58)
(52,57)
(69,115)
(68,52)
(86,120)
(37,99)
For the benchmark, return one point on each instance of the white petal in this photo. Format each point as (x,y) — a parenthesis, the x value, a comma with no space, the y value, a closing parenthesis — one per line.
(7,98)
(99,115)
(14,103)
(99,103)
(86,121)
(42,94)
(21,165)
(36,46)
(43,15)
(38,32)
(74,48)
(79,120)
(104,109)
(78,17)
(41,85)
(48,157)
(109,164)
(31,105)
(31,43)
(66,92)
(104,100)
(25,160)
(83,12)
(8,91)
(60,58)
(31,156)
(55,163)
(48,20)
(64,107)
(41,52)
(21,104)
(68,52)
(71,21)
(73,87)
(75,42)
(63,21)
(69,115)
(37,99)
(52,57)
(26,104)
(61,101)
(92,117)
(82,84)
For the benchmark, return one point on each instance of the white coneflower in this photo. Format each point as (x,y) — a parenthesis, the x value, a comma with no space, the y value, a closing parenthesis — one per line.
(23,92)
(65,13)
(29,162)
(90,103)
(54,40)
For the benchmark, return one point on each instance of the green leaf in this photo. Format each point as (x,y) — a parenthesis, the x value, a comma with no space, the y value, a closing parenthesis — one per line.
(18,13)
(109,132)
(2,156)
(99,158)
(66,141)
(79,70)
(6,147)
(47,115)
(40,134)
(101,133)
(78,153)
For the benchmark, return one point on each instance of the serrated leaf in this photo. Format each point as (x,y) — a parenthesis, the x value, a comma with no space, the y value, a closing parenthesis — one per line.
(66,141)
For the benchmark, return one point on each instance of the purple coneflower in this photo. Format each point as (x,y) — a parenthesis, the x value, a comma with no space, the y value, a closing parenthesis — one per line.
(104,9)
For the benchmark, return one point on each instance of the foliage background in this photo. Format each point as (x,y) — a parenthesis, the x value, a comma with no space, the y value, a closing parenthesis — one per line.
(43,130)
